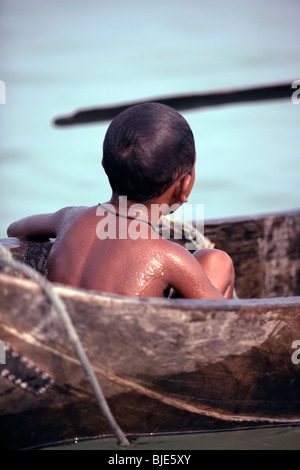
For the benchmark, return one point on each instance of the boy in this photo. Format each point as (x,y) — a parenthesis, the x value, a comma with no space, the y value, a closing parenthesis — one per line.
(149,157)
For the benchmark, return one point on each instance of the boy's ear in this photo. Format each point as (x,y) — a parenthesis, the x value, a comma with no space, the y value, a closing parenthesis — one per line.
(183,188)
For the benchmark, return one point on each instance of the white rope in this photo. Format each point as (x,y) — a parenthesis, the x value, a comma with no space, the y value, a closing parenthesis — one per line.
(29,272)
(185,231)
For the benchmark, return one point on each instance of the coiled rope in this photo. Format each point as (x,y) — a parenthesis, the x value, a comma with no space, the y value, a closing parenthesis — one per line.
(47,287)
(185,231)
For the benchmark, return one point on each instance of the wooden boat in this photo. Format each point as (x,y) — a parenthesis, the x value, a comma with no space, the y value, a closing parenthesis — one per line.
(164,365)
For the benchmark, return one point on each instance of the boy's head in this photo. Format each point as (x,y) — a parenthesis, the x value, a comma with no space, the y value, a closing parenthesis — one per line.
(146,149)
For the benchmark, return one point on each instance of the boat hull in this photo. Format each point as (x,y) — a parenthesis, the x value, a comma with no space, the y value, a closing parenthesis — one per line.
(164,365)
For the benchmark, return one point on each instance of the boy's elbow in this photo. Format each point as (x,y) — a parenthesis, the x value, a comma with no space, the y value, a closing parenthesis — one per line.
(14,230)
(10,231)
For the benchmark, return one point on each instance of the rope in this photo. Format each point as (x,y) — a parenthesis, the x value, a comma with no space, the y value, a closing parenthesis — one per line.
(186,231)
(29,272)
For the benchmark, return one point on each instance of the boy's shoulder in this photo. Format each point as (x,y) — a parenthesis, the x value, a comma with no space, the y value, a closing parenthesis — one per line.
(174,251)
(70,219)
(73,212)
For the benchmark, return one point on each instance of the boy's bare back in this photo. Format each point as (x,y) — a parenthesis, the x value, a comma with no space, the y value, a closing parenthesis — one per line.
(126,267)
(149,157)
(141,267)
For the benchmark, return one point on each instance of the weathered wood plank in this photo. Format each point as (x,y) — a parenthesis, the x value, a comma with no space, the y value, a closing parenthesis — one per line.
(265,250)
(164,365)
(138,345)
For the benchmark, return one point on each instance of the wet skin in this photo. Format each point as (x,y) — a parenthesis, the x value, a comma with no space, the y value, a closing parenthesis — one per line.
(140,268)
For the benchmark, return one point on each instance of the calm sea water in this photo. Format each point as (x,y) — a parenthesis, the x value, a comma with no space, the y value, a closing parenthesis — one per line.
(276,438)
(58,56)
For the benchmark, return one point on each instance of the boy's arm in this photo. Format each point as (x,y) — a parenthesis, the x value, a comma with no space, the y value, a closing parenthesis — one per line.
(188,278)
(45,225)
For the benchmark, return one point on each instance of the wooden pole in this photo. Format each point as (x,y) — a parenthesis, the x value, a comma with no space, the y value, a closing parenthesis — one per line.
(182,102)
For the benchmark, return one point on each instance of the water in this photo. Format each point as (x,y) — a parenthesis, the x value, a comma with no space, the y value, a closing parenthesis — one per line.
(55,58)
(277,438)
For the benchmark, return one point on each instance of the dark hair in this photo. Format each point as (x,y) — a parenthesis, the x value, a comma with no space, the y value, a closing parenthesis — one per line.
(145,149)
